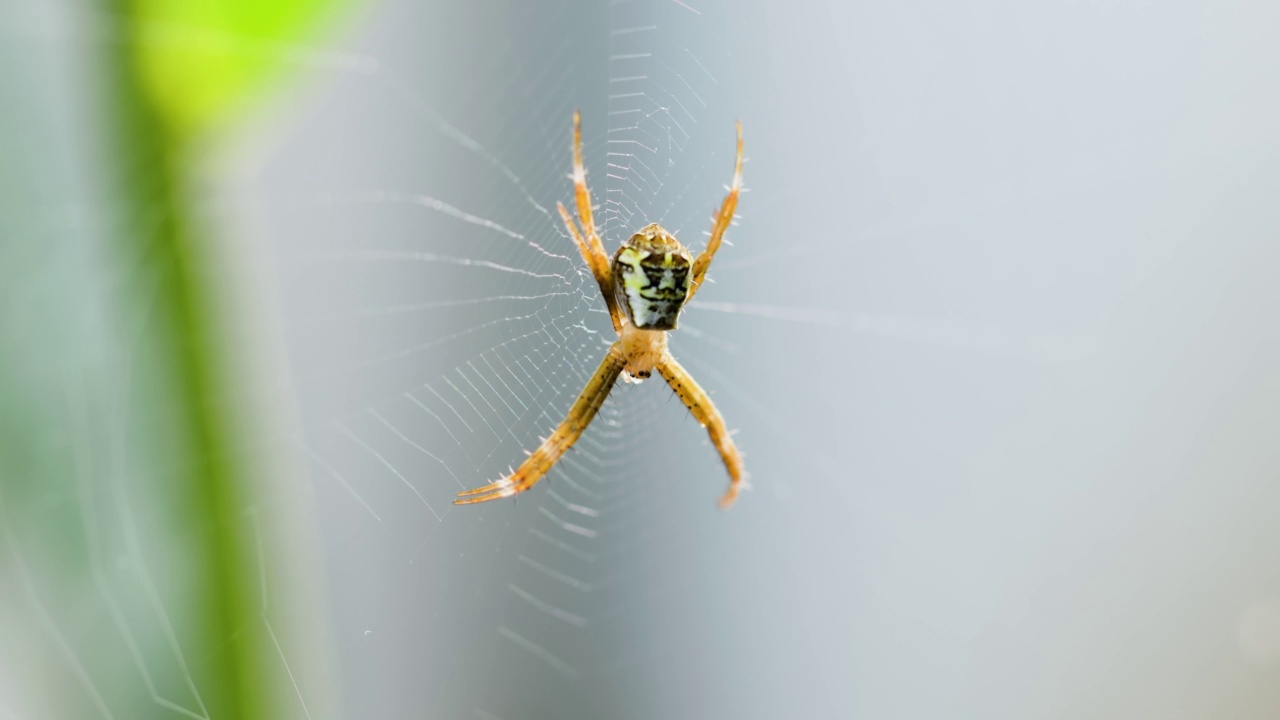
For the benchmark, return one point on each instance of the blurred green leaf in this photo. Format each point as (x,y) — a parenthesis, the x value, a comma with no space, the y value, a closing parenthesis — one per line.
(202,60)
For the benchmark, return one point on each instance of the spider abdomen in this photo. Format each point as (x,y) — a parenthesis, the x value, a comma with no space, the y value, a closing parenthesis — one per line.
(651,278)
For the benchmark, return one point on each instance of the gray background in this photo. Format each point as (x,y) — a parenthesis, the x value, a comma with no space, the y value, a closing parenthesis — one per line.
(995,326)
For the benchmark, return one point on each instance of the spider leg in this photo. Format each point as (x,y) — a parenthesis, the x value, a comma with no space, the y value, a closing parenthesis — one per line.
(720,224)
(589,243)
(582,194)
(705,412)
(541,460)
(599,268)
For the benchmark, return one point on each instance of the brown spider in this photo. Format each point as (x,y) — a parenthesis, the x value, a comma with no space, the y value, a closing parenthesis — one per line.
(645,288)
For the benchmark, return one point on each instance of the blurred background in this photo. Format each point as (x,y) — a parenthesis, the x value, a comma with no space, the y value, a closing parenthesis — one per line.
(279,278)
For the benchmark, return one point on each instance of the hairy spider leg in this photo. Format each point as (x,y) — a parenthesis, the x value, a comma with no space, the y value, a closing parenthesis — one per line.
(598,260)
(720,223)
(549,452)
(582,194)
(705,412)
(603,275)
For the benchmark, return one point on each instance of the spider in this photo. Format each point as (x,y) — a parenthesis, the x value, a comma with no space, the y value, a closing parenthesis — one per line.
(651,278)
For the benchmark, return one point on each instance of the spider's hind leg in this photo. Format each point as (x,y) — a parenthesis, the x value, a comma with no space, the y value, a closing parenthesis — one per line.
(599,265)
(720,224)
(588,240)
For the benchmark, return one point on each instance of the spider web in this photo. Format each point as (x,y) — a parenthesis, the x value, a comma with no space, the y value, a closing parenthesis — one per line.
(436,321)
(478,324)
(918,362)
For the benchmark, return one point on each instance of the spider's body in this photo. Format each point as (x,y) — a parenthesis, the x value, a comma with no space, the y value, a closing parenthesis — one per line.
(643,349)
(649,281)
(651,278)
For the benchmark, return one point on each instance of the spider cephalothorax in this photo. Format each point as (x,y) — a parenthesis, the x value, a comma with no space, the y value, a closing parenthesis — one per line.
(651,278)
(645,287)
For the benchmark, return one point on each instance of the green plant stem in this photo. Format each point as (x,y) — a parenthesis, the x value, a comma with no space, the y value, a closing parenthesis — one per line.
(226,660)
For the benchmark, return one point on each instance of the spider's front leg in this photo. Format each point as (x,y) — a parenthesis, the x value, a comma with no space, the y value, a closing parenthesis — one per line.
(549,452)
(705,412)
(720,223)
(588,240)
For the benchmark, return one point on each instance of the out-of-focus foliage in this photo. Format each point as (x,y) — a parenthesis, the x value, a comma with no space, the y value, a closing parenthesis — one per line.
(131,566)
(202,60)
